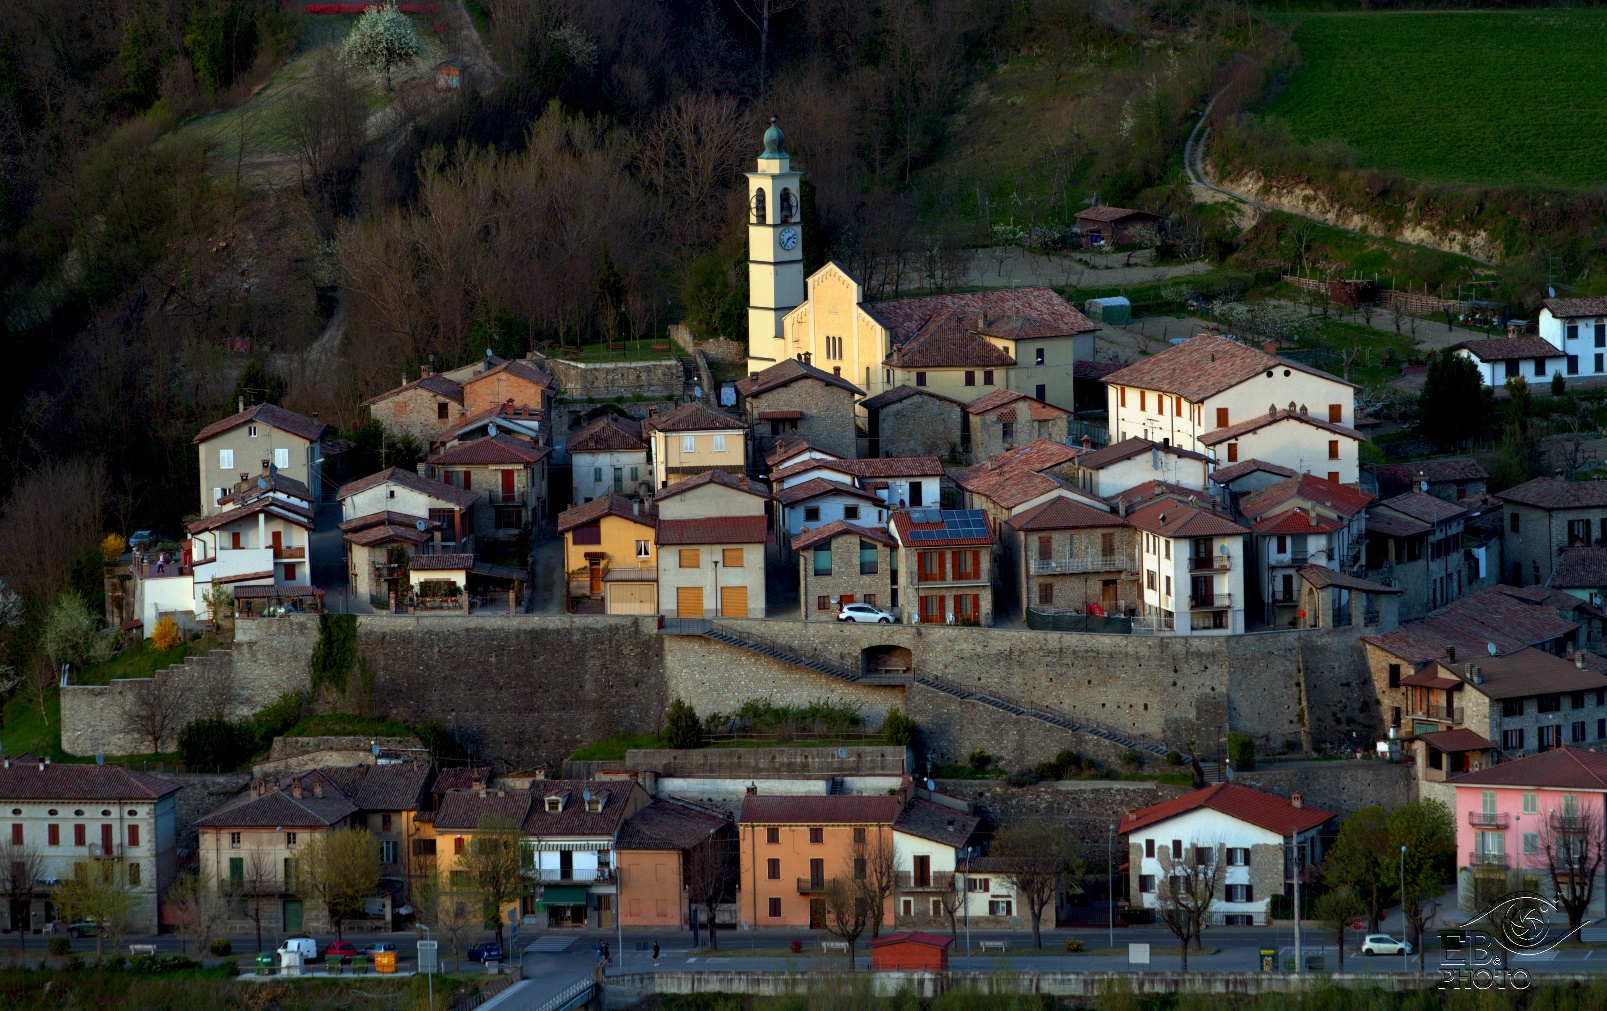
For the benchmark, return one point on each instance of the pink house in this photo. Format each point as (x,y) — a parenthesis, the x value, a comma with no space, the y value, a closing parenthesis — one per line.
(1509,815)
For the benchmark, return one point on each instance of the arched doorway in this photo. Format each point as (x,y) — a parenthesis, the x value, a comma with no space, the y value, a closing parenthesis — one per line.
(886,660)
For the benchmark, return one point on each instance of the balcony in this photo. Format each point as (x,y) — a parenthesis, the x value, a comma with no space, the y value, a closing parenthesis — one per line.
(1564,822)
(1479,858)
(1210,563)
(509,498)
(1487,819)
(811,886)
(282,554)
(1441,714)
(579,875)
(936,881)
(1082,563)
(100,851)
(1211,602)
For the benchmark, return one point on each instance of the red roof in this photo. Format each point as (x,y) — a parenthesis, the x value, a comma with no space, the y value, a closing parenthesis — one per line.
(1294,521)
(904,523)
(1558,769)
(1175,519)
(913,937)
(25,780)
(789,446)
(460,497)
(1264,810)
(1341,498)
(904,317)
(1107,213)
(1461,739)
(818,486)
(606,505)
(949,341)
(896,466)
(436,383)
(608,433)
(271,415)
(1064,514)
(1491,615)
(494,449)
(693,417)
(529,373)
(789,371)
(715,530)
(1275,417)
(722,478)
(838,809)
(1206,365)
(809,538)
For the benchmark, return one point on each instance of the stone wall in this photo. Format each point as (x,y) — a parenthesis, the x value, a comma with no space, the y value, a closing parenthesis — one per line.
(1090,804)
(719,349)
(919,426)
(201,792)
(269,657)
(661,377)
(716,678)
(766,762)
(1343,787)
(952,728)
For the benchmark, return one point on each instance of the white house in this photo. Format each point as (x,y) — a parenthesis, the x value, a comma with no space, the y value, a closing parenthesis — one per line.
(1211,383)
(1291,438)
(1503,358)
(819,501)
(1577,327)
(1250,832)
(899,481)
(260,539)
(1300,521)
(1107,471)
(609,457)
(396,490)
(1192,563)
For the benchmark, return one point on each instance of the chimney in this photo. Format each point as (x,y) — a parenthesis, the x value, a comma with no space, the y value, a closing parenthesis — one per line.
(242,402)
(42,765)
(1579,659)
(636,507)
(318,788)
(1297,800)
(1557,473)
(1311,516)
(1087,442)
(1303,411)
(8,763)
(420,467)
(1270,347)
(1450,654)
(479,787)
(295,787)
(429,370)
(1121,506)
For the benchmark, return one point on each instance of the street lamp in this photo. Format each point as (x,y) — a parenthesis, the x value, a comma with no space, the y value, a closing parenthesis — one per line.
(1110,882)
(965,893)
(1406,965)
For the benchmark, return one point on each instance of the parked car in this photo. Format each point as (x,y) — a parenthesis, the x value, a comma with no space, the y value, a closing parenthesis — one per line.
(1383,944)
(344,949)
(83,928)
(490,951)
(142,540)
(306,947)
(378,946)
(864,613)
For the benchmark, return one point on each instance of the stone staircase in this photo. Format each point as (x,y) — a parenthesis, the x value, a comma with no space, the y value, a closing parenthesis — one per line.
(1016,707)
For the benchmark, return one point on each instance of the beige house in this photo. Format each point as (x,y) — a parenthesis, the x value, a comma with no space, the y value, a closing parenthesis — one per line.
(392,515)
(253,440)
(845,563)
(692,439)
(711,547)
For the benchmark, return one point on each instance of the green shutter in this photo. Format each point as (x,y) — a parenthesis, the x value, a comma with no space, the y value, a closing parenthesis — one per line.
(237,869)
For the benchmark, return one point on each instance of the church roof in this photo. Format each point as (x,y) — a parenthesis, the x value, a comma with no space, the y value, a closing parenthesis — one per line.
(1054,316)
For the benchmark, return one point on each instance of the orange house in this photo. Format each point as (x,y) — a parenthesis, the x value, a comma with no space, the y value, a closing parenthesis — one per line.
(791,846)
(515,383)
(657,848)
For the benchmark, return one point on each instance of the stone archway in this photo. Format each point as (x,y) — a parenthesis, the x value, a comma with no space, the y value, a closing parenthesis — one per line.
(886,660)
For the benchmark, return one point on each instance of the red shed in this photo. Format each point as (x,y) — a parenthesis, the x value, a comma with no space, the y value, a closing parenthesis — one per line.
(910,951)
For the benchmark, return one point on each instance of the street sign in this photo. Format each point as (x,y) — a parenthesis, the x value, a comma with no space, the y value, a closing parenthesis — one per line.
(1137,953)
(427,959)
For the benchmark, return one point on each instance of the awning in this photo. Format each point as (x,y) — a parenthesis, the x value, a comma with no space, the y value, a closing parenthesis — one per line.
(566,895)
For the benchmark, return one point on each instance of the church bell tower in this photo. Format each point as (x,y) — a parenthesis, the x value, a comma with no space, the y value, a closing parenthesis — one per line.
(775,251)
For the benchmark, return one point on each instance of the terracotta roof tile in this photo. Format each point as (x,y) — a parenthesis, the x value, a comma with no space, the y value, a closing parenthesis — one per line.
(436,563)
(789,446)
(949,341)
(1064,514)
(1489,616)
(1389,524)
(888,398)
(713,530)
(666,825)
(460,497)
(1565,308)
(784,373)
(1322,578)
(492,449)
(610,433)
(1502,348)
(1128,448)
(838,809)
(1558,769)
(1526,672)
(71,781)
(1234,471)
(461,810)
(1457,468)
(1149,491)
(693,417)
(1174,519)
(897,466)
(1008,486)
(267,414)
(904,317)
(1107,214)
(523,370)
(278,507)
(843,467)
(719,477)
(434,383)
(1264,810)
(816,487)
(936,822)
(1558,493)
(1422,506)
(809,538)
(1204,365)
(1094,370)
(1282,414)
(1296,521)
(1341,498)
(606,505)
(1581,567)
(370,536)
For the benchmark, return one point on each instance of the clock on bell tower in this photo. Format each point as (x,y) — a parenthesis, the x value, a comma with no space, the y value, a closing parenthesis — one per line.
(775,250)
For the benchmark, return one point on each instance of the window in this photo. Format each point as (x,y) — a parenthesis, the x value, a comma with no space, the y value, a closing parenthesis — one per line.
(688,443)
(823,560)
(1146,884)
(1576,732)
(290,841)
(133,875)
(1573,365)
(1531,843)
(234,840)
(1576,700)
(774,907)
(281,458)
(1000,907)
(1121,394)
(1599,357)
(1221,417)
(1040,392)
(772,869)
(869,558)
(1149,579)
(16,834)
(870,599)
(1548,703)
(1239,893)
(920,379)
(772,836)
(1239,856)
(1333,475)
(1046,594)
(1037,359)
(719,444)
(225,459)
(1394,675)
(1233,452)
(817,836)
(591,533)
(1549,737)
(597,475)
(691,558)
(387,851)
(822,603)
(1512,524)
(440,411)
(80,840)
(1512,740)
(53,834)
(1511,707)
(1572,331)
(1333,449)
(978,884)
(1149,848)
(987,377)
(811,514)
(644,549)
(970,378)
(859,868)
(237,869)
(850,512)
(133,836)
(1601,334)
(1336,414)
(1177,849)
(731,558)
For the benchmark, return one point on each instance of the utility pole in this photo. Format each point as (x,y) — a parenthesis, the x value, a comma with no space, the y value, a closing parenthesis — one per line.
(1110,882)
(1294,838)
(1406,961)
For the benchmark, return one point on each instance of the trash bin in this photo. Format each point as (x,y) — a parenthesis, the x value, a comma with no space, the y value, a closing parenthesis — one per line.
(385,961)
(332,964)
(360,965)
(1268,959)
(264,963)
(492,966)
(289,963)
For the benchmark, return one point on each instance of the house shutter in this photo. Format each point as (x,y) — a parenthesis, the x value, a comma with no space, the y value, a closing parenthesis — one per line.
(689,601)
(734,601)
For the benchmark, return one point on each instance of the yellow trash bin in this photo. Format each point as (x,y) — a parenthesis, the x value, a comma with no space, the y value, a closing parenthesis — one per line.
(385,961)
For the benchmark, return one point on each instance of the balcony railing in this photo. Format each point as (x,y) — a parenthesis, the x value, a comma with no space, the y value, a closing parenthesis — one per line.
(1211,602)
(507,498)
(1443,714)
(292,554)
(810,886)
(1479,858)
(101,851)
(1082,563)
(935,881)
(1152,623)
(1210,563)
(1563,822)
(1487,819)
(573,874)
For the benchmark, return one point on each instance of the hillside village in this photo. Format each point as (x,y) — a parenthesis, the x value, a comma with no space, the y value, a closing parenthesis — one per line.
(903,463)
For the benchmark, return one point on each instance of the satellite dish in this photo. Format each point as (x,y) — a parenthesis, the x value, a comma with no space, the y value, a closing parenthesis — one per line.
(1551,292)
(375,749)
(586,794)
(100,759)
(842,752)
(488,352)
(491,429)
(422,525)
(930,785)
(1490,647)
(1422,486)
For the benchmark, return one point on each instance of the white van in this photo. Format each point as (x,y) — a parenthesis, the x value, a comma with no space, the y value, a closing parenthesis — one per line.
(306,947)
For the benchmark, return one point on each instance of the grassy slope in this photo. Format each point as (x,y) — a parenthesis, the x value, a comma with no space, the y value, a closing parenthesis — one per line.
(1494,98)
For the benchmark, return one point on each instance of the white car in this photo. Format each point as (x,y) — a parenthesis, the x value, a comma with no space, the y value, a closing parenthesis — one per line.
(1383,944)
(306,947)
(864,613)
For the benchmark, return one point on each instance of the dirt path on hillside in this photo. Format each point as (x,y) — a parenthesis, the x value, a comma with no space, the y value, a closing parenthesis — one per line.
(1012,266)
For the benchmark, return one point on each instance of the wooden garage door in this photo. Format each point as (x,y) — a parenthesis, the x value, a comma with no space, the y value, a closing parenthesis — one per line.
(689,601)
(734,601)
(632,598)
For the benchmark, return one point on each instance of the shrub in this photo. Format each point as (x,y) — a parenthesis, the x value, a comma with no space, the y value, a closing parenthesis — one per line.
(979,760)
(682,728)
(1073,945)
(1089,765)
(1174,758)
(166,634)
(1022,777)
(898,729)
(59,946)
(1559,385)
(1241,751)
(112,547)
(215,745)
(1133,758)
(221,947)
(114,963)
(161,963)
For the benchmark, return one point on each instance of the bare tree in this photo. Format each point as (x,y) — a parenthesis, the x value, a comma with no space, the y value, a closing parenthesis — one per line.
(1038,859)
(876,865)
(952,902)
(257,882)
(20,865)
(1184,899)
(759,13)
(200,907)
(690,156)
(326,120)
(452,912)
(52,515)
(847,911)
(151,709)
(1573,844)
(711,877)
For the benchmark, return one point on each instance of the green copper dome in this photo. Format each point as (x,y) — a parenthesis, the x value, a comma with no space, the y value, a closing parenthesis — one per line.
(773,140)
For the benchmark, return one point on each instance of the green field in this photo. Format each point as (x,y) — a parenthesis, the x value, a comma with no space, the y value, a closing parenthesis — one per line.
(1492,98)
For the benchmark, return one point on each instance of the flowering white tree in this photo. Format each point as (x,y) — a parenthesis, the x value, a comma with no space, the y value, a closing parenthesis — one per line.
(382,38)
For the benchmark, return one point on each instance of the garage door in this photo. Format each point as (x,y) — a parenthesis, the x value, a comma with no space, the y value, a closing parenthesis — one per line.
(632,598)
(734,601)
(689,602)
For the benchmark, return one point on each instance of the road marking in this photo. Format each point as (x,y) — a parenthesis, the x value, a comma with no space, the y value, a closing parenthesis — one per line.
(1537,956)
(550,945)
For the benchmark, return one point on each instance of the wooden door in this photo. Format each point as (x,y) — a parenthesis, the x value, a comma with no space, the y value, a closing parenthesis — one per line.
(278,543)
(507,486)
(817,914)
(734,601)
(1107,591)
(689,602)
(595,567)
(923,871)
(632,598)
(293,916)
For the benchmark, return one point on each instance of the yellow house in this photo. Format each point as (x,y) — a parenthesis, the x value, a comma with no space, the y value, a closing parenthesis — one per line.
(610,556)
(692,439)
(712,530)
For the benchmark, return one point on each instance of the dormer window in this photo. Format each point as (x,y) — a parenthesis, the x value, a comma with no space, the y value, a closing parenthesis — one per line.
(555,803)
(595,804)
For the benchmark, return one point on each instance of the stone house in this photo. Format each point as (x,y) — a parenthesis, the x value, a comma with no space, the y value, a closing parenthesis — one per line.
(1192,558)
(430,407)
(252,441)
(1414,541)
(379,548)
(508,477)
(1582,572)
(1103,226)
(117,820)
(496,383)
(1453,479)
(693,439)
(907,421)
(1069,555)
(1544,517)
(658,847)
(1004,419)
(712,529)
(946,558)
(794,397)
(810,503)
(610,556)
(845,563)
(609,457)
(1247,831)
(900,482)
(424,409)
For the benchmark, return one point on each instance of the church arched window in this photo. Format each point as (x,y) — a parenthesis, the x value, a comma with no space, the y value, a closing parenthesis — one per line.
(758,206)
(788,208)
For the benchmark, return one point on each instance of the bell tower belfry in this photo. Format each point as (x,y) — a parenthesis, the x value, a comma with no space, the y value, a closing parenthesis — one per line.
(775,251)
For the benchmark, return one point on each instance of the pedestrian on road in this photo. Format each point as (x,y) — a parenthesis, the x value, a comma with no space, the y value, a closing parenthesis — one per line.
(655,953)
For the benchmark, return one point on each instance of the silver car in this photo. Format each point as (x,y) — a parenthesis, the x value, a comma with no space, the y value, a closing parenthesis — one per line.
(864,613)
